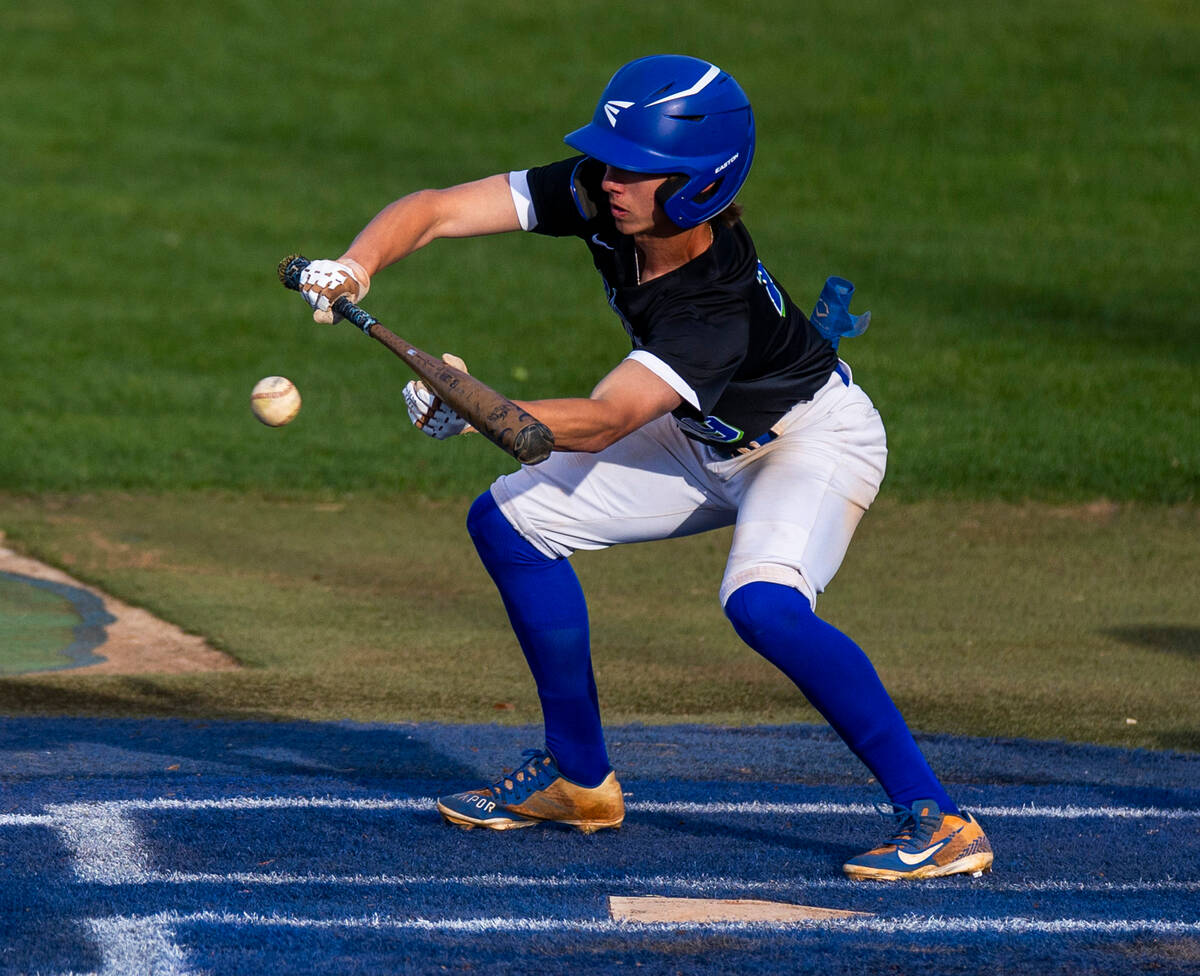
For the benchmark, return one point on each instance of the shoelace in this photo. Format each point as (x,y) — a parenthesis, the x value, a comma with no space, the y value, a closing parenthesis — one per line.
(525,779)
(910,831)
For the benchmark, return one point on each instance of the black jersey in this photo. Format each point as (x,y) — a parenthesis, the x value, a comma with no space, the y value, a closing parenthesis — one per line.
(719,330)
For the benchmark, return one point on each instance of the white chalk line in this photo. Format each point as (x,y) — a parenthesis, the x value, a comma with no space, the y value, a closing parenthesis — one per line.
(148,943)
(138,944)
(752,807)
(1070,812)
(707,884)
(108,847)
(896,925)
(26,820)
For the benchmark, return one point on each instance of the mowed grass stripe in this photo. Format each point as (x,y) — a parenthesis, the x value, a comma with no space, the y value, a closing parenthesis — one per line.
(1010,188)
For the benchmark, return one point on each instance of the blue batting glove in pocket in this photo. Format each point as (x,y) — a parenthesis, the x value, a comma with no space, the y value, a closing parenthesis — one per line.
(832,315)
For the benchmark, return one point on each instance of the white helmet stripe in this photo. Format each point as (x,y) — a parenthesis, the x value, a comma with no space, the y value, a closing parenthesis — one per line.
(709,75)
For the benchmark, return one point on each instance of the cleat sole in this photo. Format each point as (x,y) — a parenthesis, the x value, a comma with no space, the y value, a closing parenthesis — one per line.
(974,865)
(469,823)
(591,828)
(464,823)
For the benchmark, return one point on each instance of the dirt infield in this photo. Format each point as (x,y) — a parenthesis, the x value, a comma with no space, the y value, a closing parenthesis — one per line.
(134,641)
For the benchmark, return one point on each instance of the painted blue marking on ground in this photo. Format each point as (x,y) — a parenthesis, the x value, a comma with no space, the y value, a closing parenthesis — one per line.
(88,634)
(306,848)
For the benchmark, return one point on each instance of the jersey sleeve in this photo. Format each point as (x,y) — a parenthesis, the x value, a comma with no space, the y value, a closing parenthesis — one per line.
(518,186)
(558,200)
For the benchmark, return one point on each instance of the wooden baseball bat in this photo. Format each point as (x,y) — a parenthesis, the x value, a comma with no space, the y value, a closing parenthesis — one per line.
(499,419)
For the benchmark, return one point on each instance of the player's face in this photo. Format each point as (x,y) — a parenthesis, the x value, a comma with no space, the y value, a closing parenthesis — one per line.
(632,202)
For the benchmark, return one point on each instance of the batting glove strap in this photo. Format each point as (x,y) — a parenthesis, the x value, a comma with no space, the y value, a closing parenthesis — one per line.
(429,414)
(323,282)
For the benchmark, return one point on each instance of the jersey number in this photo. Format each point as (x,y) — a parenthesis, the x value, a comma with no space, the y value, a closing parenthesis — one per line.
(771,289)
(711,429)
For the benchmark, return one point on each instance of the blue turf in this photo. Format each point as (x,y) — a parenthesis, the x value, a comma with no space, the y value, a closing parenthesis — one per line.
(381,889)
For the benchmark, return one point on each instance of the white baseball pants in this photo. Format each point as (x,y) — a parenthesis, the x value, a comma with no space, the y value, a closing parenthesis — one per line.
(795,502)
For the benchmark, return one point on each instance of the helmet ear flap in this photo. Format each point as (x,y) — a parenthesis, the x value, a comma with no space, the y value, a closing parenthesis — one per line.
(674,183)
(709,191)
(678,211)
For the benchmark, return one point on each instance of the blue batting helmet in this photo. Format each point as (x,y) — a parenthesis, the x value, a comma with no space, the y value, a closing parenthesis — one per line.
(673,114)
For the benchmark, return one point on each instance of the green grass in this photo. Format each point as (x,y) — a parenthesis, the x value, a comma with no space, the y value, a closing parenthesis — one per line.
(986,618)
(1011,188)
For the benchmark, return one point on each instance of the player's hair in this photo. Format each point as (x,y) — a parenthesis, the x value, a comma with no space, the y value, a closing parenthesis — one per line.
(730,215)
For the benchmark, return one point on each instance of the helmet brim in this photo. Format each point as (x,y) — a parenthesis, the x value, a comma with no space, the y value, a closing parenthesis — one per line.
(607,147)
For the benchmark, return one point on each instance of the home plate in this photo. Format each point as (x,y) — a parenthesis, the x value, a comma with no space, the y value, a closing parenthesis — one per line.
(654,908)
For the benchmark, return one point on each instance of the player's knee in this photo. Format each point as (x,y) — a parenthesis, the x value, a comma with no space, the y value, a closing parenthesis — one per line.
(495,539)
(760,609)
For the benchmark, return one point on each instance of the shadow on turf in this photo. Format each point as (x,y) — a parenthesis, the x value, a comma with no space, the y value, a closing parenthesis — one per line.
(1174,640)
(121,696)
(754,838)
(338,754)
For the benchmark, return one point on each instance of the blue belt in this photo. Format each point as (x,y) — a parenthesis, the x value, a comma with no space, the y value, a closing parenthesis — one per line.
(754,443)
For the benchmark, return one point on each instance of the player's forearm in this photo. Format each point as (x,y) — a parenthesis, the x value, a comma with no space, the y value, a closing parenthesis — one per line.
(629,397)
(577,424)
(408,224)
(403,226)
(585,425)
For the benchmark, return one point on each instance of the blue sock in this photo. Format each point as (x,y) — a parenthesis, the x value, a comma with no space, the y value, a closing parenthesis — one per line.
(548,613)
(836,676)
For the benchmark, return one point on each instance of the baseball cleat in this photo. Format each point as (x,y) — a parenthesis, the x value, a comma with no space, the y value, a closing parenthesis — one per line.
(537,792)
(927,844)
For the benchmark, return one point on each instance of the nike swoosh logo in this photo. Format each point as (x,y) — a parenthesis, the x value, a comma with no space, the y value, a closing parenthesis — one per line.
(596,240)
(914,859)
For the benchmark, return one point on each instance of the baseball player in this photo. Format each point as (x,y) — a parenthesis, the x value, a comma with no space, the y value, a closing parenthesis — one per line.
(731,408)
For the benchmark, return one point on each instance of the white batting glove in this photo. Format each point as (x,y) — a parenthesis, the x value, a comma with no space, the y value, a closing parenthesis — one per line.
(323,282)
(427,411)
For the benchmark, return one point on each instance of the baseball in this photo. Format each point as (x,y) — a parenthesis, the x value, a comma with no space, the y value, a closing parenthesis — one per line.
(275,400)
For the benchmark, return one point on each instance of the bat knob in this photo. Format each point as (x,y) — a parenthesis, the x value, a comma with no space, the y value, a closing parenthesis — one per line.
(289,270)
(533,444)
